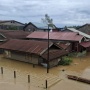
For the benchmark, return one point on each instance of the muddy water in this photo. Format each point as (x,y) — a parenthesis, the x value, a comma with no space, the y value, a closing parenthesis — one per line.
(56,78)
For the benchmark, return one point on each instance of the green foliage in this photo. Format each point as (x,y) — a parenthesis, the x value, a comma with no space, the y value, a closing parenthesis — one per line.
(49,21)
(65,61)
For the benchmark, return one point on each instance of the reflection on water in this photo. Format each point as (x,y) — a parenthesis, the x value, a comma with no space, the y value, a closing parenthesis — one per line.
(56,77)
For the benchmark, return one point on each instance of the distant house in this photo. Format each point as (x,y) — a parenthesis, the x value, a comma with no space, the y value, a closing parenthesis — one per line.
(34,26)
(85,28)
(12,34)
(68,37)
(32,51)
(11,25)
(6,35)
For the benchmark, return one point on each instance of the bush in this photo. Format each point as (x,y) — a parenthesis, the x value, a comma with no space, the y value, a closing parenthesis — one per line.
(65,61)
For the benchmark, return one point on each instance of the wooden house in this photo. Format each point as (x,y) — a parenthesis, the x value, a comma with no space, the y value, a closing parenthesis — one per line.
(59,37)
(34,26)
(11,25)
(32,51)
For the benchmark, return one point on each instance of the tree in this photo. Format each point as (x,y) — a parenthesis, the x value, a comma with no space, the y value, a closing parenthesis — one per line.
(47,20)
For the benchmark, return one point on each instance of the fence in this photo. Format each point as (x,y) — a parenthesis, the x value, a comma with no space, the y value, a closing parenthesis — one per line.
(37,80)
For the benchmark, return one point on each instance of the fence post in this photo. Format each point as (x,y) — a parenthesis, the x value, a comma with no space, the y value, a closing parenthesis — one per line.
(28,78)
(33,65)
(14,74)
(46,83)
(1,70)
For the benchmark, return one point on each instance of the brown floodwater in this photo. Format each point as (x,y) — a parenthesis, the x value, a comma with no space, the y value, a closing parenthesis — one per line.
(56,78)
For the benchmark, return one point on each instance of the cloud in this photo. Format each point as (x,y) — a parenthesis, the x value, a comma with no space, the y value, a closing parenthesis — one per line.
(63,12)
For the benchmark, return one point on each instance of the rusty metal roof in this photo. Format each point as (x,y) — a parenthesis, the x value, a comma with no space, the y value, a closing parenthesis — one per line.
(69,36)
(29,46)
(14,34)
(33,47)
(85,44)
(64,45)
(53,54)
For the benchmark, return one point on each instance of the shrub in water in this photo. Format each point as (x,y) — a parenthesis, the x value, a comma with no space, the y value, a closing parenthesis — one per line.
(65,61)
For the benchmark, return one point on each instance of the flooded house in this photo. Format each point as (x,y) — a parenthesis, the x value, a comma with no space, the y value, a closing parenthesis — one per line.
(34,52)
(85,44)
(73,39)
(11,25)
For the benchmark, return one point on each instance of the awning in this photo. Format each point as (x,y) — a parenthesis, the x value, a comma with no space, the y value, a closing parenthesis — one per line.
(85,44)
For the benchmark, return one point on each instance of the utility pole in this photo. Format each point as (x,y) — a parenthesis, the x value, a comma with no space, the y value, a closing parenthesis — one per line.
(48,52)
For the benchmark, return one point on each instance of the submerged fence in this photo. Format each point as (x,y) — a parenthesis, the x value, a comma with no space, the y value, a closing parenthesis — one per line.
(37,80)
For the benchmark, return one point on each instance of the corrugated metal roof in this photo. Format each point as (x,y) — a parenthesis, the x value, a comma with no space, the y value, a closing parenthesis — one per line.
(85,44)
(71,36)
(53,54)
(81,33)
(64,45)
(30,46)
(14,34)
(33,47)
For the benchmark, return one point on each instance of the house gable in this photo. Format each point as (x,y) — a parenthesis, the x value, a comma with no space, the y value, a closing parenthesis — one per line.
(85,28)
(30,27)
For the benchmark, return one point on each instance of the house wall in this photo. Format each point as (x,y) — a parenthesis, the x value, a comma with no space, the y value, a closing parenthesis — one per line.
(53,63)
(69,48)
(33,59)
(75,46)
(21,56)
(30,28)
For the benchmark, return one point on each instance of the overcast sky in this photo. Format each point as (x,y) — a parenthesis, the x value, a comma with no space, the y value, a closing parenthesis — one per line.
(63,12)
